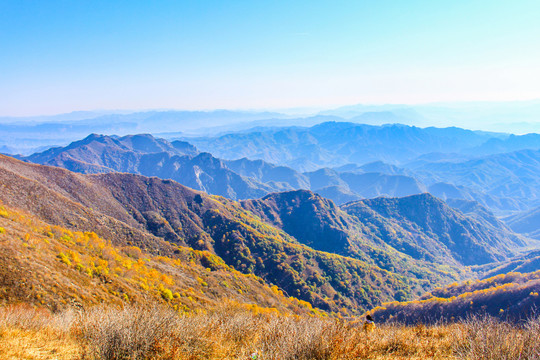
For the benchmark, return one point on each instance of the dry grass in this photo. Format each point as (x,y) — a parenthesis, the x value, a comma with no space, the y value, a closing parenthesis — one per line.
(26,333)
(231,332)
(488,338)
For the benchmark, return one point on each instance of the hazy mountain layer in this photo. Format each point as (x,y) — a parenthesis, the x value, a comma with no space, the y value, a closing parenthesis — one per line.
(527,223)
(443,161)
(513,176)
(333,144)
(146,155)
(504,183)
(235,179)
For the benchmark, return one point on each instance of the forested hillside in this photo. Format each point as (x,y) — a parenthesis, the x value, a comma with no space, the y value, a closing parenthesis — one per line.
(513,297)
(159,215)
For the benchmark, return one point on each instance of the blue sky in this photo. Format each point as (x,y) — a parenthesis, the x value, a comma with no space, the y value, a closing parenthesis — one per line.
(61,56)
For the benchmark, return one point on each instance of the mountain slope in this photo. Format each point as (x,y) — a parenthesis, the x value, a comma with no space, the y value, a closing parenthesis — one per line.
(53,267)
(511,143)
(526,223)
(265,172)
(419,226)
(512,296)
(427,223)
(159,216)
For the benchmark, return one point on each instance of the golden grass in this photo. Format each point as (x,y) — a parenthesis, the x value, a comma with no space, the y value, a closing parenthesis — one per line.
(232,332)
(27,333)
(43,344)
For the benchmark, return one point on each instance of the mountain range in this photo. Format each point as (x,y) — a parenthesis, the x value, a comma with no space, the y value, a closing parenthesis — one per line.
(350,257)
(497,170)
(505,183)
(332,144)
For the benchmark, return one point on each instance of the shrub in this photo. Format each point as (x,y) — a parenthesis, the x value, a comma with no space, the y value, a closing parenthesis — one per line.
(129,333)
(166,294)
(484,337)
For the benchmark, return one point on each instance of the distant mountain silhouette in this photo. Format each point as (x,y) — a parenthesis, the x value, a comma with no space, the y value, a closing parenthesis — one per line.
(505,183)
(511,176)
(333,144)
(511,143)
(527,223)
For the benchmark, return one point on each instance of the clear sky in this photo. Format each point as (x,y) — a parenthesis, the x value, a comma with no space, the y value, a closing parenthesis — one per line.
(60,56)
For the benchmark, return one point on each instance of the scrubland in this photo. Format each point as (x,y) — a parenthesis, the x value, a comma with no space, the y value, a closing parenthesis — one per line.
(232,332)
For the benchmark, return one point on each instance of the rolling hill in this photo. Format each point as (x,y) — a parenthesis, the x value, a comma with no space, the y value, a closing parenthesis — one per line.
(512,296)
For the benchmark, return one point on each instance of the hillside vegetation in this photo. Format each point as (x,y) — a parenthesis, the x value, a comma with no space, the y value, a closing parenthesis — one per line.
(512,297)
(341,260)
(383,229)
(55,268)
(430,227)
(159,216)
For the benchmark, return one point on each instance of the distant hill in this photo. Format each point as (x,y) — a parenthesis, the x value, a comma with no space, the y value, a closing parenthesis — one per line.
(527,223)
(266,172)
(528,261)
(25,134)
(501,205)
(146,155)
(513,175)
(497,170)
(506,116)
(509,144)
(333,144)
(513,297)
(338,194)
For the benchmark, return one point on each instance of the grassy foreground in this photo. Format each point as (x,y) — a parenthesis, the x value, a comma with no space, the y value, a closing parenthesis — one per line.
(234,333)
